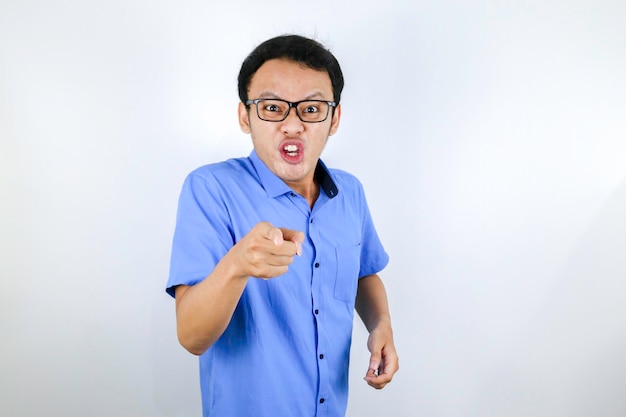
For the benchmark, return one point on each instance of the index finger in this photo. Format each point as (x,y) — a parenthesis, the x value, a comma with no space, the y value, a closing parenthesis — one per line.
(269,232)
(377,381)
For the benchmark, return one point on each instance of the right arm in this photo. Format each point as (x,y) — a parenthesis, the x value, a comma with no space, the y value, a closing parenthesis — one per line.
(204,310)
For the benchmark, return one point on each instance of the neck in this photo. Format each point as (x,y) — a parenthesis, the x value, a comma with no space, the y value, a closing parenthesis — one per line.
(309,190)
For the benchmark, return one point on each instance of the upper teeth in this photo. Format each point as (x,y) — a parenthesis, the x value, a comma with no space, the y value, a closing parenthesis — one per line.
(291,148)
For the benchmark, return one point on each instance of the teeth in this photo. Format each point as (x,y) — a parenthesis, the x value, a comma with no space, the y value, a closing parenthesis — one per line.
(291,148)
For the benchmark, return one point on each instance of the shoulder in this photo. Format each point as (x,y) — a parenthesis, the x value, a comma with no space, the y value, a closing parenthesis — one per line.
(224,169)
(346,181)
(218,180)
(221,174)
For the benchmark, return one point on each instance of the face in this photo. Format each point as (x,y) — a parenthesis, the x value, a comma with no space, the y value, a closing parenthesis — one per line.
(290,148)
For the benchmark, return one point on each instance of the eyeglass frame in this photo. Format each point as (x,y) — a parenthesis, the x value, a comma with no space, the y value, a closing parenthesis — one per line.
(292,104)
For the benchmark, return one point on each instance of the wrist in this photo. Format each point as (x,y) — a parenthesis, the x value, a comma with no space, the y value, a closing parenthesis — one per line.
(230,270)
(379,323)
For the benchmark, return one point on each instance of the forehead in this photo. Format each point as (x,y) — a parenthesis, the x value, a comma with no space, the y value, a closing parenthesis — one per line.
(290,80)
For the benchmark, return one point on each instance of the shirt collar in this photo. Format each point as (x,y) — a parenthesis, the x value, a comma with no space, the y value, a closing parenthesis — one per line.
(325,180)
(274,186)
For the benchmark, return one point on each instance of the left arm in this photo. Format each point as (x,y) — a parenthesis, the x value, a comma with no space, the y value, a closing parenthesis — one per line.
(372,307)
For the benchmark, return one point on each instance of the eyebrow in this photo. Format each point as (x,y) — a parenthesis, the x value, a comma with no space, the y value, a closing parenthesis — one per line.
(314,96)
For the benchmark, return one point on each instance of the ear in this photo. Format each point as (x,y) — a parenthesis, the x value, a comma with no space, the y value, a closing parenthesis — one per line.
(244,118)
(334,123)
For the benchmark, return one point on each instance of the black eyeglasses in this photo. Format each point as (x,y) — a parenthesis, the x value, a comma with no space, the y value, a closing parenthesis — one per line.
(277,110)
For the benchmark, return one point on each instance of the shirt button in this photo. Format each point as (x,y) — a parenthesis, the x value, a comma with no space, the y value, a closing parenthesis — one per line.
(321,356)
(317,311)
(322,401)
(293,194)
(317,265)
(311,221)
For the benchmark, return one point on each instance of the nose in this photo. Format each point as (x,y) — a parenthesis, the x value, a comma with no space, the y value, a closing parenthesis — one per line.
(292,123)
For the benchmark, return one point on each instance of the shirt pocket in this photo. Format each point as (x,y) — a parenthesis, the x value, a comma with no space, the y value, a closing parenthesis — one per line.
(347,275)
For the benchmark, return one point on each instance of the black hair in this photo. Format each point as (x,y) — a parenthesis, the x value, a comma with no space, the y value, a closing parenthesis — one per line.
(305,51)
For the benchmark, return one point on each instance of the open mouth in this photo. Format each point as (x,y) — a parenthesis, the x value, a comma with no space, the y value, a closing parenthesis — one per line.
(292,151)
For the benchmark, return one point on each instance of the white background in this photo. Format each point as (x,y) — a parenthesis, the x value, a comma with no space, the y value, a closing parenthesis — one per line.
(490,137)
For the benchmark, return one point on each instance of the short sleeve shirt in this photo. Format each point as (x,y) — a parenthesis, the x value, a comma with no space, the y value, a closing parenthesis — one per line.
(286,349)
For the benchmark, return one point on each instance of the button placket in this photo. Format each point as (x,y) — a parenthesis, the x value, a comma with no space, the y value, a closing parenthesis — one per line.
(316,293)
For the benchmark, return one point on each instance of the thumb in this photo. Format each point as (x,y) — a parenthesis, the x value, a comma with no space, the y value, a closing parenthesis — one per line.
(374,362)
(292,235)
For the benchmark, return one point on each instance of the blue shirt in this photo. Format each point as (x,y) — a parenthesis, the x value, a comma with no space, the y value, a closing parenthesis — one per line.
(286,349)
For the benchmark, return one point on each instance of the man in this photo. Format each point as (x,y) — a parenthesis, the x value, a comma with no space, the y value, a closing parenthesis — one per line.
(272,253)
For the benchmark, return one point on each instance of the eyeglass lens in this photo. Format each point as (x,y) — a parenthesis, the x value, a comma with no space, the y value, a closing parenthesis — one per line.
(277,110)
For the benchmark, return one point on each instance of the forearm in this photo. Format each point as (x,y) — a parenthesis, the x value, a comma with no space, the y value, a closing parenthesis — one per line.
(371,302)
(204,310)
(372,306)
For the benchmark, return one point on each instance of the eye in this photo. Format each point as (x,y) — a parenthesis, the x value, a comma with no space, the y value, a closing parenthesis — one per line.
(311,109)
(272,108)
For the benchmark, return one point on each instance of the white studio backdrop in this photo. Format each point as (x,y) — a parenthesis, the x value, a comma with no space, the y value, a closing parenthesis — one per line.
(490,138)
